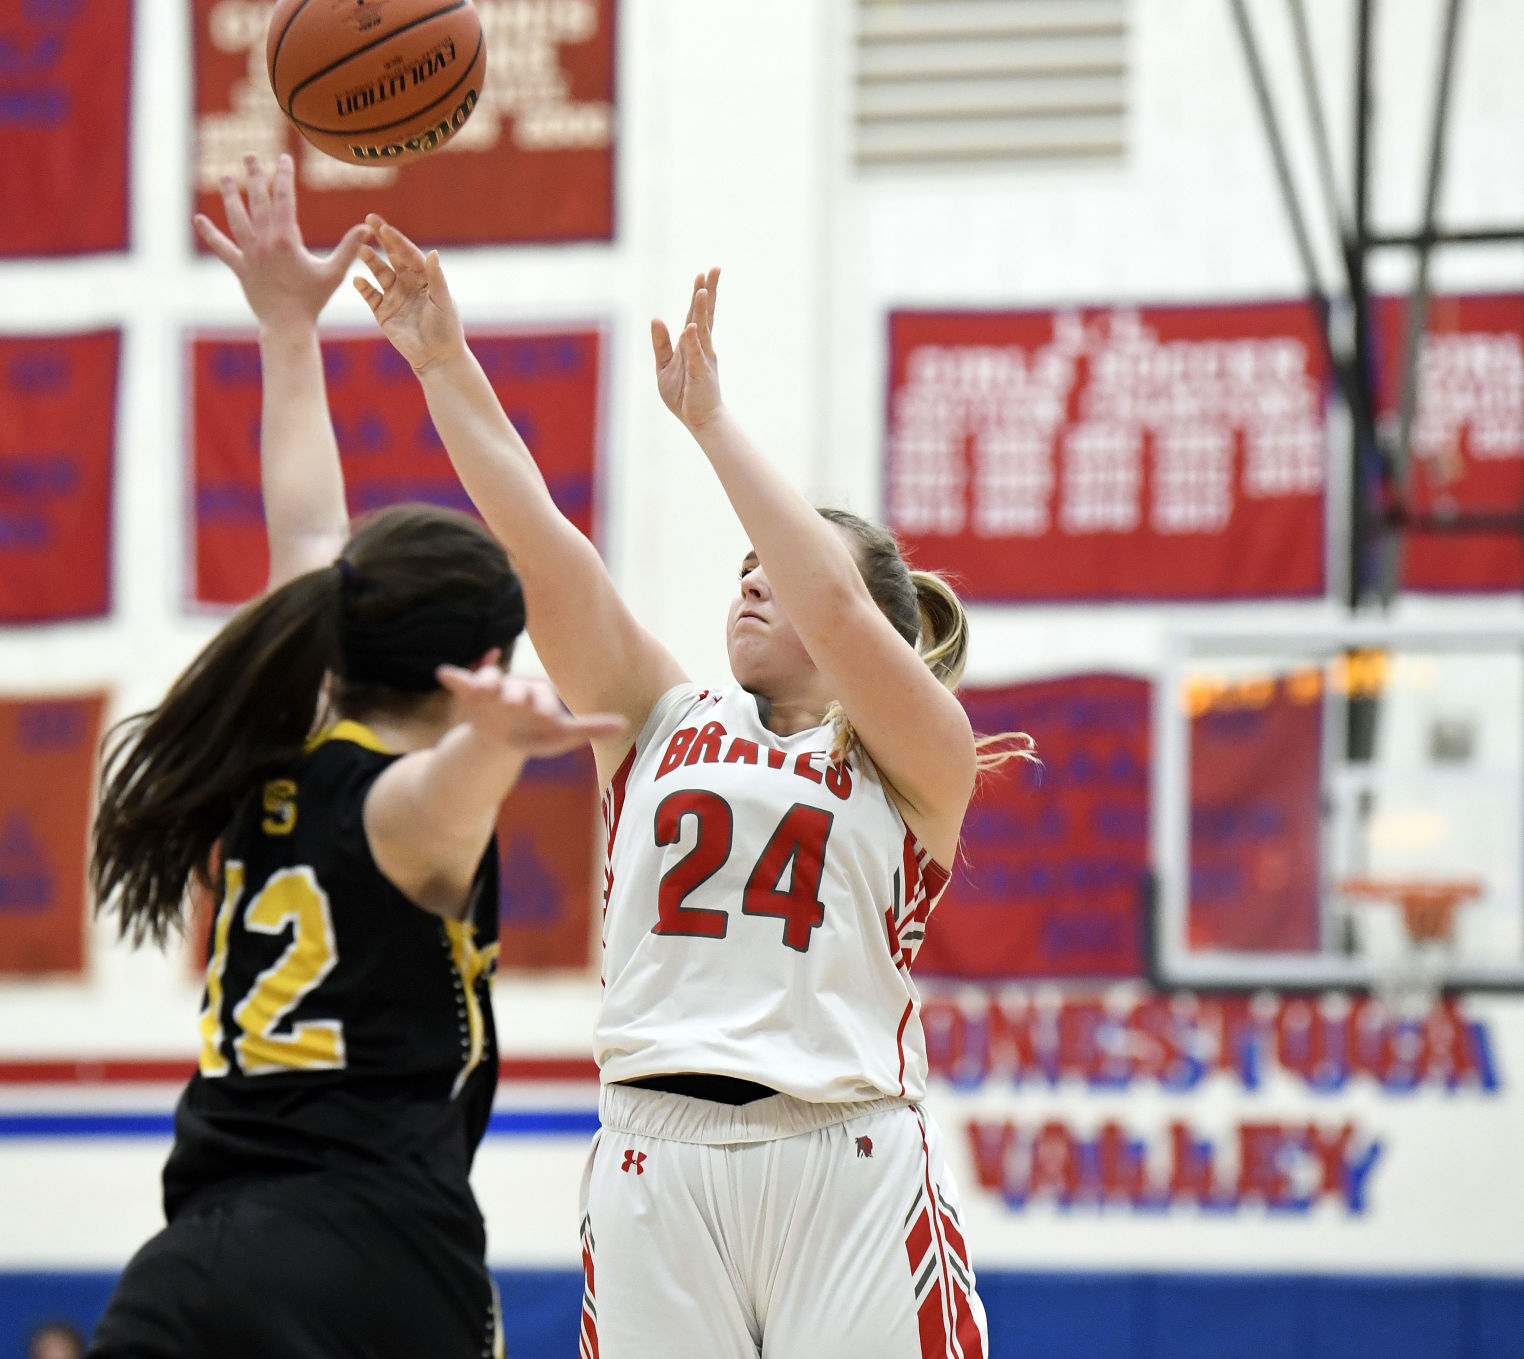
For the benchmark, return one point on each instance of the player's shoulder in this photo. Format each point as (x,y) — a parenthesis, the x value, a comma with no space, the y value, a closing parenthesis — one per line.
(348,741)
(680,704)
(321,794)
(341,753)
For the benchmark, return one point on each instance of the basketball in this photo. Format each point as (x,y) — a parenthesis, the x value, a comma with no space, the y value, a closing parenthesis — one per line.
(376,82)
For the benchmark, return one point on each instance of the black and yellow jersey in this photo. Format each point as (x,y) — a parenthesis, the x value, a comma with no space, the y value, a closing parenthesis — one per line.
(343,1026)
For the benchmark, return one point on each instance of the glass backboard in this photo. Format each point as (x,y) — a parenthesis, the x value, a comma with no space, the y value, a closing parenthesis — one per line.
(1320,797)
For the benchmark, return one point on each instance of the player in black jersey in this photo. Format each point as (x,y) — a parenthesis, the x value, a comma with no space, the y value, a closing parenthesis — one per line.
(332,765)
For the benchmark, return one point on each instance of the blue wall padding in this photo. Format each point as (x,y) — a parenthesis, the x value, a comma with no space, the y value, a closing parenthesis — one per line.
(1038,1316)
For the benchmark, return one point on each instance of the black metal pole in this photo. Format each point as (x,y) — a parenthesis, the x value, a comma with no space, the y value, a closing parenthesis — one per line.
(1348,372)
(1418,300)
(1364,452)
(1505,522)
(1278,153)
(1319,124)
(1421,240)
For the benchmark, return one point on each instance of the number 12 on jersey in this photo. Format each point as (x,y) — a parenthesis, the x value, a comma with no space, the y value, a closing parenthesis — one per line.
(263,1042)
(796,848)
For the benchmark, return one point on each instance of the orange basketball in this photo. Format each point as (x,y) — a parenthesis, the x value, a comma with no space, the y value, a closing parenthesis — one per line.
(374,82)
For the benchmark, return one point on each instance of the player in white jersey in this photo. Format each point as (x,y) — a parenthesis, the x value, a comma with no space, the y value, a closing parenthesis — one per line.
(766,1181)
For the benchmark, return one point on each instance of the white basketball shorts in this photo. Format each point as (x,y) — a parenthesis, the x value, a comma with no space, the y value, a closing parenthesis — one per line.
(779,1228)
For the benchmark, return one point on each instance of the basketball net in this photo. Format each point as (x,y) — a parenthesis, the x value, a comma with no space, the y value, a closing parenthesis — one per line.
(1411,978)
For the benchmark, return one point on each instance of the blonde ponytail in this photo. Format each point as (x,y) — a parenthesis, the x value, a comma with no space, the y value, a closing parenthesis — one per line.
(941,641)
(943,645)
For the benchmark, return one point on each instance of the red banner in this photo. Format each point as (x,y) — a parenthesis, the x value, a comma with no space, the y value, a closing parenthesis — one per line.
(64,114)
(1255,804)
(548,383)
(57,431)
(47,753)
(533,163)
(548,841)
(1467,437)
(1051,878)
(1128,454)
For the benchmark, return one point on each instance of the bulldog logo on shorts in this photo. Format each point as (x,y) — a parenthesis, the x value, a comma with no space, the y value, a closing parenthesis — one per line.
(865,1146)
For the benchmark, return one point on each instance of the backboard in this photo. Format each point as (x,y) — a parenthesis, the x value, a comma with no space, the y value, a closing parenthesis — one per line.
(1316,794)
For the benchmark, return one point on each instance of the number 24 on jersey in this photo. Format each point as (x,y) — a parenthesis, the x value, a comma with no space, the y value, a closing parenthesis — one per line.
(799,841)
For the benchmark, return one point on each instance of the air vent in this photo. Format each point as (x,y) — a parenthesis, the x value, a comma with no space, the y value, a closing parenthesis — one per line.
(990,82)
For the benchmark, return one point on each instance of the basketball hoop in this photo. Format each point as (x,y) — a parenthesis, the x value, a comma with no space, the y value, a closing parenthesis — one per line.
(1428,908)
(1410,976)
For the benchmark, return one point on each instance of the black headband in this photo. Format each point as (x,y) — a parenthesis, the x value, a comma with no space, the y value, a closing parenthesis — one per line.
(402,652)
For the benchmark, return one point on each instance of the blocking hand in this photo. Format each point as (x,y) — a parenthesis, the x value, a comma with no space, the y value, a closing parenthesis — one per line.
(523,713)
(285,283)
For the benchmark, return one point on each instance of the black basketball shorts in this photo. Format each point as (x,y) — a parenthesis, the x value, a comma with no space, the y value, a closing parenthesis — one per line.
(319,1266)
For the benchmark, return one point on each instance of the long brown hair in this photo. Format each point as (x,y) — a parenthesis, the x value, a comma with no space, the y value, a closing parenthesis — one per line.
(926,611)
(177,778)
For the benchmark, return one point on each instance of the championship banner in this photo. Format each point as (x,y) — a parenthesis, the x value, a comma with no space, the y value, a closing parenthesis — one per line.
(65,75)
(57,434)
(548,382)
(1152,453)
(1051,878)
(47,753)
(1467,437)
(1256,795)
(548,846)
(534,162)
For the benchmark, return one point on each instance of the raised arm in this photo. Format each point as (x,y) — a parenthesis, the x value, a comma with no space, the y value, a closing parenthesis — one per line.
(599,657)
(428,817)
(914,728)
(287,287)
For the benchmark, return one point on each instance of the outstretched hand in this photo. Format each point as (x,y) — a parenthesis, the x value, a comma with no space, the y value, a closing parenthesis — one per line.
(687,373)
(523,713)
(413,305)
(285,283)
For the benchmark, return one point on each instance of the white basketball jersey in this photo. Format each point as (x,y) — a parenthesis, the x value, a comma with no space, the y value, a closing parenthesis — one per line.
(761,909)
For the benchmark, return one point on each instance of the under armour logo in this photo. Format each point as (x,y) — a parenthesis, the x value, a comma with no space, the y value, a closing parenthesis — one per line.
(634,1160)
(865,1146)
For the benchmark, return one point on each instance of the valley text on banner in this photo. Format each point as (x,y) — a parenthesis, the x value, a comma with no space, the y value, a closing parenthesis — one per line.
(1275,1131)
